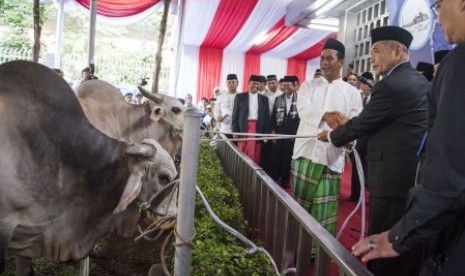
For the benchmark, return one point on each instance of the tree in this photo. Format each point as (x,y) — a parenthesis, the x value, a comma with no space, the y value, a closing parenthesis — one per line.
(18,16)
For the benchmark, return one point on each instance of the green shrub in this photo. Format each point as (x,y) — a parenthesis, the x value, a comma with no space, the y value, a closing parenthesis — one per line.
(217,252)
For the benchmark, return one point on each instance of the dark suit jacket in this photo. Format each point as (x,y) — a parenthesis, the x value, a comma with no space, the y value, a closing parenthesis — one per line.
(395,121)
(241,113)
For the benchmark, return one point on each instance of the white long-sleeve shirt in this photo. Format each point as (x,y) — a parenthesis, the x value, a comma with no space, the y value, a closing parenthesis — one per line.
(224,106)
(271,98)
(315,98)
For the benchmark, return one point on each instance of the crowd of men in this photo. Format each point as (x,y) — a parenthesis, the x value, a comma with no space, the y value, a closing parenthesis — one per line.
(407,127)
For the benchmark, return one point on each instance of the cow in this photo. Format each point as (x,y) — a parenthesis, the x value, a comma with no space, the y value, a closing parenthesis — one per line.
(106,109)
(63,183)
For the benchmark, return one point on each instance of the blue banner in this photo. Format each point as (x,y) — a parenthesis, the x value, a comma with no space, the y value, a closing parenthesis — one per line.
(417,17)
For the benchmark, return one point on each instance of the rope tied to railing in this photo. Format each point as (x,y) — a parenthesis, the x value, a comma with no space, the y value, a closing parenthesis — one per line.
(252,136)
(263,136)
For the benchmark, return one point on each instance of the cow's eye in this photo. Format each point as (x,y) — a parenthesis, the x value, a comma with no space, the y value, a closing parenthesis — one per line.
(176,110)
(164,179)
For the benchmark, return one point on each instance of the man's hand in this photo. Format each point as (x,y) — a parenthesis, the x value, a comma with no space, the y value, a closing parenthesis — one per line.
(349,146)
(374,247)
(334,119)
(323,136)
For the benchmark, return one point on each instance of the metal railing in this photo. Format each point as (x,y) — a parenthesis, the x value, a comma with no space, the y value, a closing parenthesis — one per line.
(115,70)
(286,230)
(9,54)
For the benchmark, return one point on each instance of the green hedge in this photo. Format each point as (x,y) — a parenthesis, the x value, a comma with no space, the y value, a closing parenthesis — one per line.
(216,251)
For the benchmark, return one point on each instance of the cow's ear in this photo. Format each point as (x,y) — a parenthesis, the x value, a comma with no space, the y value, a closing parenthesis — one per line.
(157,113)
(131,191)
(141,150)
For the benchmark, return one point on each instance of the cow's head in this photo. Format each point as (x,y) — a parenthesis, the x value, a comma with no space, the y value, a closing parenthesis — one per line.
(165,107)
(151,172)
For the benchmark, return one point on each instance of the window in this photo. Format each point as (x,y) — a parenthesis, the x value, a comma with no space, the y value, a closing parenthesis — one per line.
(369,16)
(367,47)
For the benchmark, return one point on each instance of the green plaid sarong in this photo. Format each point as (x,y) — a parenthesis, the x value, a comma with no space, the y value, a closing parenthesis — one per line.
(316,188)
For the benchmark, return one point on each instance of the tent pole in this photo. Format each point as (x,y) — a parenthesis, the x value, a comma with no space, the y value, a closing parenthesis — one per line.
(178,45)
(59,34)
(93,19)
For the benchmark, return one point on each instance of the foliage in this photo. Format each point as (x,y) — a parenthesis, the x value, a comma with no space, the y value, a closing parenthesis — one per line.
(216,251)
(18,16)
(123,54)
(44,267)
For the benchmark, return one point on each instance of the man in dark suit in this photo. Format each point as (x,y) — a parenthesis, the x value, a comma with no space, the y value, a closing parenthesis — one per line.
(395,121)
(436,205)
(284,120)
(251,115)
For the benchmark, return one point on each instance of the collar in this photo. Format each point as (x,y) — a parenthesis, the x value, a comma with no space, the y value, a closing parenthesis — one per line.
(394,68)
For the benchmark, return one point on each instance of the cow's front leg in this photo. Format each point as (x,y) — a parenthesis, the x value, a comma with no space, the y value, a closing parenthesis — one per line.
(23,267)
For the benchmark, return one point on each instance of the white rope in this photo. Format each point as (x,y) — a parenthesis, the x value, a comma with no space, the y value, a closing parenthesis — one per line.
(361,200)
(253,248)
(358,164)
(254,136)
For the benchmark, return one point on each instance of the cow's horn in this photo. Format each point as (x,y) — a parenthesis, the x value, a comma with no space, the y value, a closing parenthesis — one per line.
(151,96)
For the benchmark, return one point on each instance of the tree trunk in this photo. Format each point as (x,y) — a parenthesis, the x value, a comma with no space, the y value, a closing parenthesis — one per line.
(161,39)
(37,30)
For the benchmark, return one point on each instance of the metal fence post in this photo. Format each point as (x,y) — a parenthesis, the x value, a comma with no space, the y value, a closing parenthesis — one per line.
(186,197)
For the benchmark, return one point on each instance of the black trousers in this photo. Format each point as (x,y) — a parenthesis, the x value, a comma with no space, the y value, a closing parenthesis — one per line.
(384,213)
(281,159)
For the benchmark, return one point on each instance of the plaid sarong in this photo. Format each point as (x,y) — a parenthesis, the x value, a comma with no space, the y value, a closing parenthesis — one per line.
(252,149)
(316,188)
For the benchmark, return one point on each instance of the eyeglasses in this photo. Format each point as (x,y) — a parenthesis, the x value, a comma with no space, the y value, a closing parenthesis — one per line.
(436,6)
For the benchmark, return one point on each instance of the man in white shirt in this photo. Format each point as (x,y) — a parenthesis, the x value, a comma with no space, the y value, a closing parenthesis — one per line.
(322,104)
(224,104)
(272,90)
(262,85)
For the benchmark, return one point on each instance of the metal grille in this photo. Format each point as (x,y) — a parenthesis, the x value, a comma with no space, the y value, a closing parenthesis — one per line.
(368,18)
(285,229)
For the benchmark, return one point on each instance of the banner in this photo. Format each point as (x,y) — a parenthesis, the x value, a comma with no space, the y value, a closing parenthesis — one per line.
(417,17)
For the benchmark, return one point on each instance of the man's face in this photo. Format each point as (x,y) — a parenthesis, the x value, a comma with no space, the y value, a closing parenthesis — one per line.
(188,99)
(288,88)
(272,85)
(262,86)
(450,13)
(383,58)
(352,80)
(330,64)
(85,75)
(253,87)
(232,85)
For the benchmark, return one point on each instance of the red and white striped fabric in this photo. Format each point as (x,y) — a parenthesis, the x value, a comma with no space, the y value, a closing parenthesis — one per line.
(219,37)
